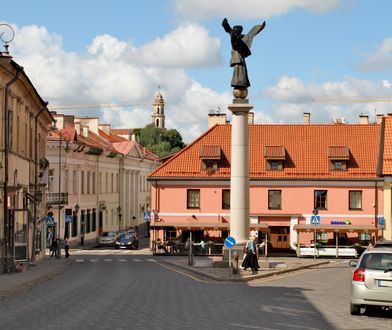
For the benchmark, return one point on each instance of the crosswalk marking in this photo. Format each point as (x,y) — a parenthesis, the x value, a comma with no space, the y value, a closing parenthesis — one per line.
(108,260)
(151,260)
(122,260)
(94,260)
(79,260)
(137,260)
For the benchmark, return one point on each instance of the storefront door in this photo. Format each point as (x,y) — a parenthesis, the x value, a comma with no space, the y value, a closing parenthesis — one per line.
(280,237)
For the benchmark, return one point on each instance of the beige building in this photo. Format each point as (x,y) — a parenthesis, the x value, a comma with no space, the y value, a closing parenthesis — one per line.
(103,179)
(22,146)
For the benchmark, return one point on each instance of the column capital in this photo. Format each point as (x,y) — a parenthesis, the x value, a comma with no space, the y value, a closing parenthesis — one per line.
(240,107)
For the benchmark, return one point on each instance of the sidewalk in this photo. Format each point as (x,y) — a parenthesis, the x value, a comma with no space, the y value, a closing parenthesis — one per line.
(44,270)
(270,266)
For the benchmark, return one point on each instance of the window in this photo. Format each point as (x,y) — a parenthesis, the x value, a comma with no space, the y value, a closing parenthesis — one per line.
(82,182)
(74,182)
(10,128)
(274,199)
(193,198)
(66,180)
(93,174)
(112,182)
(88,182)
(320,199)
(226,199)
(355,200)
(274,165)
(50,179)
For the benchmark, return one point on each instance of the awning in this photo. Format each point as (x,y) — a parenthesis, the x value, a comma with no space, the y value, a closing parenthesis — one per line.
(335,228)
(204,225)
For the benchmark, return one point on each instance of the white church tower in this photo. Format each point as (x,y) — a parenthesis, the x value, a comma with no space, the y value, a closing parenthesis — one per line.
(158,112)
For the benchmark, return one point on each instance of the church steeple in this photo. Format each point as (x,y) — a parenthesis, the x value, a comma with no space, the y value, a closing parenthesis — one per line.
(158,111)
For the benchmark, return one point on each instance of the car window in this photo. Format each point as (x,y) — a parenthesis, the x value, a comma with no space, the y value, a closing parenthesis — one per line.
(377,261)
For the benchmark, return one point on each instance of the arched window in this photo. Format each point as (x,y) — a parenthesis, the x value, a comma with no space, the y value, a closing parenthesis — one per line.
(157,123)
(158,110)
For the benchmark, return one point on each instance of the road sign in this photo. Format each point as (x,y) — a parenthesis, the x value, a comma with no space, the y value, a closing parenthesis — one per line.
(49,221)
(68,218)
(381,222)
(230,242)
(315,219)
(147,216)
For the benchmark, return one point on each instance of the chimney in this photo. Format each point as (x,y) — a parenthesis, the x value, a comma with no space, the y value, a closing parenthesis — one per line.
(216,118)
(105,128)
(306,118)
(77,127)
(379,118)
(85,131)
(251,118)
(363,119)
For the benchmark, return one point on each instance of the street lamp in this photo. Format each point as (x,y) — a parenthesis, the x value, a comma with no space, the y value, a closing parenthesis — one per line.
(119,218)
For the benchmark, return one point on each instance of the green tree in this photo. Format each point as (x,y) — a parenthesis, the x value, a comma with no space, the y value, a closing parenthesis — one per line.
(161,142)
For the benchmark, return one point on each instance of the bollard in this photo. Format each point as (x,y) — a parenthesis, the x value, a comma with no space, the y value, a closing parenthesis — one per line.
(234,262)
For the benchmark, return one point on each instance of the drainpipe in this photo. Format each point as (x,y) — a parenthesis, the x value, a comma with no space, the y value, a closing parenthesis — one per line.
(36,176)
(10,258)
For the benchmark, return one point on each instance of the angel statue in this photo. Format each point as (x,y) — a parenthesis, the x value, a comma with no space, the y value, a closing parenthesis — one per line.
(241,45)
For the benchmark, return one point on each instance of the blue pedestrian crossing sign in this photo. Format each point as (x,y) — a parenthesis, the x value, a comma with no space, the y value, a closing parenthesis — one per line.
(381,222)
(315,219)
(68,218)
(147,216)
(49,221)
(230,242)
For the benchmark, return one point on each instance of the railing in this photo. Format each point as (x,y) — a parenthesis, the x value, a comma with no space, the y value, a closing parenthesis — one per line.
(57,198)
(168,248)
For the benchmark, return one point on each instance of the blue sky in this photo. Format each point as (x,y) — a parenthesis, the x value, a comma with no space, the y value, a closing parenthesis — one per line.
(312,53)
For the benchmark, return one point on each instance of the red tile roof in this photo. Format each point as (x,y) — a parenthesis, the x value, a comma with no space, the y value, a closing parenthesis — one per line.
(306,149)
(387,153)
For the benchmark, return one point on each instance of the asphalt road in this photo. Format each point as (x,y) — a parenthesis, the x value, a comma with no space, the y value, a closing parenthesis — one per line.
(127,291)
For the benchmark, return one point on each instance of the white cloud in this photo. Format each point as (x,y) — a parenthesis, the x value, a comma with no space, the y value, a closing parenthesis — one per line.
(349,98)
(189,45)
(113,71)
(381,59)
(251,9)
(386,83)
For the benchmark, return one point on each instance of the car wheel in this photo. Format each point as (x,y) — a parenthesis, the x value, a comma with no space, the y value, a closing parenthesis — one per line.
(355,309)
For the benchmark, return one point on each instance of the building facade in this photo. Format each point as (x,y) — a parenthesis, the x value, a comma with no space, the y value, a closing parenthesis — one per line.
(102,180)
(22,162)
(294,170)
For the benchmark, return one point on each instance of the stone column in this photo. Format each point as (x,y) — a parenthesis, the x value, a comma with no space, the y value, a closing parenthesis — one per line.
(239,181)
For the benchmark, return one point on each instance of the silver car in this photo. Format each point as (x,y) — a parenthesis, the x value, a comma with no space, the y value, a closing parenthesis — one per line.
(107,238)
(371,284)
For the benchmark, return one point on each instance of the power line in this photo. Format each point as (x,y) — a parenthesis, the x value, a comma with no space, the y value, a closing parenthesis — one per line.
(98,106)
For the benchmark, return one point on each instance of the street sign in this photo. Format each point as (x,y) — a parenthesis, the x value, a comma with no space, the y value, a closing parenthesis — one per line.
(49,221)
(147,216)
(315,219)
(230,242)
(68,218)
(381,222)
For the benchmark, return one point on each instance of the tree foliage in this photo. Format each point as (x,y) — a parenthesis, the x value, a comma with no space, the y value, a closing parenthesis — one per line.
(161,142)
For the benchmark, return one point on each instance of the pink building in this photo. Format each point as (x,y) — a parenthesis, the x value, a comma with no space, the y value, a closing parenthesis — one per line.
(294,170)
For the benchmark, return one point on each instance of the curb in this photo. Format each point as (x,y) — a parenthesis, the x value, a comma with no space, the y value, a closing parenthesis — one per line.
(244,278)
(12,291)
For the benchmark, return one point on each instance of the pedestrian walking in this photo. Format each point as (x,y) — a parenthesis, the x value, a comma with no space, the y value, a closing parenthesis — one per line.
(66,247)
(262,247)
(50,238)
(251,259)
(54,247)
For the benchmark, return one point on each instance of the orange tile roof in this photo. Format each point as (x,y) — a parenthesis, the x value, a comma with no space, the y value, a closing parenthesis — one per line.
(387,152)
(306,152)
(273,152)
(111,137)
(335,152)
(210,152)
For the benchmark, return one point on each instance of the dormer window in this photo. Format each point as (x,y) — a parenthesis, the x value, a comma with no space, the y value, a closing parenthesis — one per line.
(338,157)
(210,156)
(275,157)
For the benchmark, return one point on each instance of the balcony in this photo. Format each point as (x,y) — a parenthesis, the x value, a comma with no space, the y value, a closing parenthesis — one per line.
(57,198)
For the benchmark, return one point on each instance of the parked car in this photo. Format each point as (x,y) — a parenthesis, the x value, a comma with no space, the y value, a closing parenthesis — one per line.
(127,241)
(383,243)
(107,238)
(371,283)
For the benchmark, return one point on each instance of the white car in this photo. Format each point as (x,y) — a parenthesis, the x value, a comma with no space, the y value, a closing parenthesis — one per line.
(371,284)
